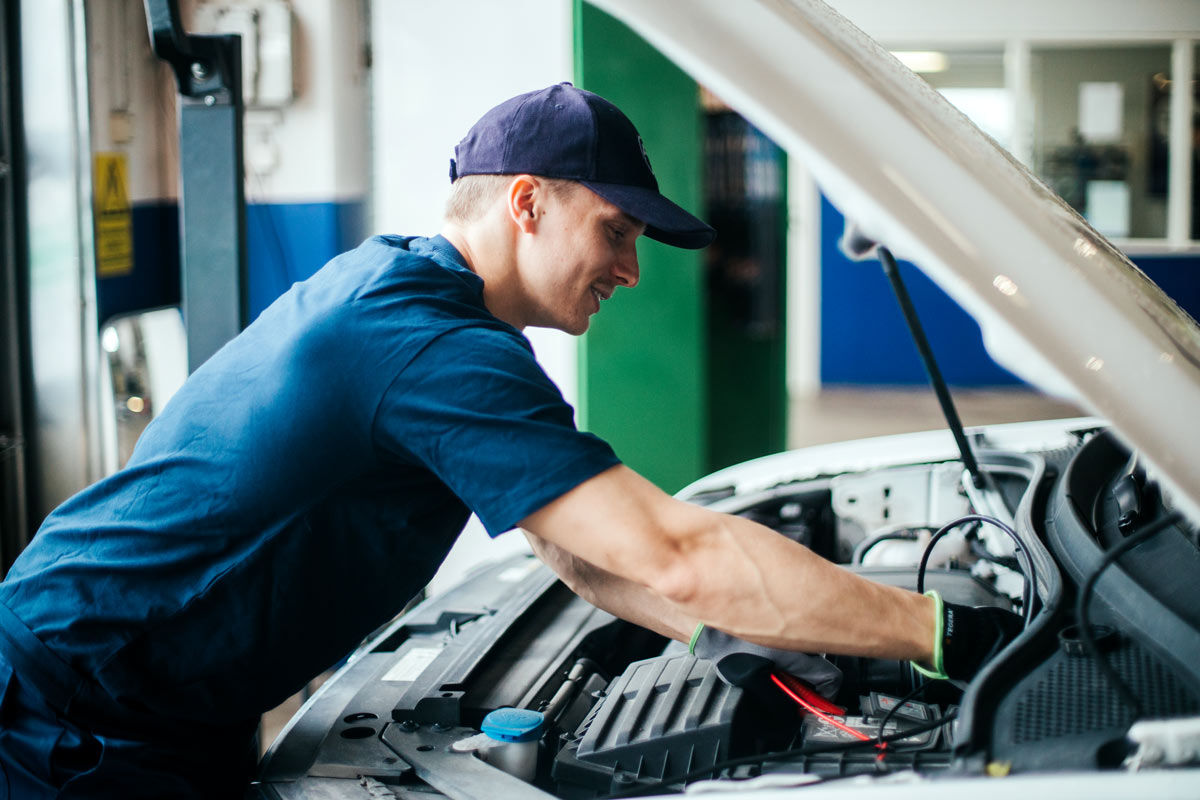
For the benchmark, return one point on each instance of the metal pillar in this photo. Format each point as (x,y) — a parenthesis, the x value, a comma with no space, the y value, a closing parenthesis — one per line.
(14,317)
(1180,158)
(208,70)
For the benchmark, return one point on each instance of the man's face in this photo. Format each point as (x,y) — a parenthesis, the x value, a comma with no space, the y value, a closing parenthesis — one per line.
(583,248)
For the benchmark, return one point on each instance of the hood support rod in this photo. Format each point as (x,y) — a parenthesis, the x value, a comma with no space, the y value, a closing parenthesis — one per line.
(892,272)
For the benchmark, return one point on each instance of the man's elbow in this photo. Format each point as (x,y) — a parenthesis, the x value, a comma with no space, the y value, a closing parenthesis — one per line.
(679,571)
(678,582)
(571,571)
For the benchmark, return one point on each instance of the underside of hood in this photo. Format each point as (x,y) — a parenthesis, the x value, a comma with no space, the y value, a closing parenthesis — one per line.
(1058,304)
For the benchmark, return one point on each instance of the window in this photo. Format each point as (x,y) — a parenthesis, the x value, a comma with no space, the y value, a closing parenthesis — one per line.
(1097,112)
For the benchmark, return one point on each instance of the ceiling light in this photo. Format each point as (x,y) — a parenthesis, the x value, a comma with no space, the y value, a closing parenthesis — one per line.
(923,60)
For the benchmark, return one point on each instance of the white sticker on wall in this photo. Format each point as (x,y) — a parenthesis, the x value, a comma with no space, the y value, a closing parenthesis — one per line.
(1108,207)
(412,664)
(1101,111)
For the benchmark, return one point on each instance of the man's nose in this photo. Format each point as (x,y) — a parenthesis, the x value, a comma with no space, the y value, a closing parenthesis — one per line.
(626,272)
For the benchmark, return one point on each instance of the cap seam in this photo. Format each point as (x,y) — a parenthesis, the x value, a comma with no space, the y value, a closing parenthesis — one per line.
(508,135)
(594,143)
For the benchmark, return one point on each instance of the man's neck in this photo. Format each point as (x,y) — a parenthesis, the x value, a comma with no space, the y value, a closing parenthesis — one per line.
(458,237)
(489,256)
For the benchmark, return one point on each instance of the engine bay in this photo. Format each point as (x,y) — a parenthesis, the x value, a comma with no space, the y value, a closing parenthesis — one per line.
(627,712)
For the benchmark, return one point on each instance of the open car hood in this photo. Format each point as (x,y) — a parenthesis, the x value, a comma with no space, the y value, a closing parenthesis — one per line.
(1058,304)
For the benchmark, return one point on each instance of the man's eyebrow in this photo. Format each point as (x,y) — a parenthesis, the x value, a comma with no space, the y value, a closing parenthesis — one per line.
(632,221)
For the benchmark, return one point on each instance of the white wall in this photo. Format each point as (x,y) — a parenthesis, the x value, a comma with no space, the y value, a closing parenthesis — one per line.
(938,21)
(131,97)
(437,67)
(317,148)
(314,148)
(62,313)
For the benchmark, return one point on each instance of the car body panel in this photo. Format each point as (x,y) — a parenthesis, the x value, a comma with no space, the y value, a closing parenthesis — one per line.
(1058,304)
(883,451)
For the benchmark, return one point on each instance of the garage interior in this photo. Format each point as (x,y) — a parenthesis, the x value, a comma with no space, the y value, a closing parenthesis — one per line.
(770,340)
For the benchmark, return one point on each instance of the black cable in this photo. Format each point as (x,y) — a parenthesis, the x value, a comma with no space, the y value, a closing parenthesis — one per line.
(892,711)
(1022,553)
(1085,592)
(979,550)
(904,534)
(799,752)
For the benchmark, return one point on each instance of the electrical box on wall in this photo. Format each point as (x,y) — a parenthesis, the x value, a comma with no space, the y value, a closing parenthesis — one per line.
(266,30)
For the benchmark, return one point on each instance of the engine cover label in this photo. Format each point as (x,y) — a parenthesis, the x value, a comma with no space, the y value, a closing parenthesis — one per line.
(412,664)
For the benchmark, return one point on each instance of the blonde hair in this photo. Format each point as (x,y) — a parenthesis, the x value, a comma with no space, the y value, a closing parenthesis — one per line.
(471,195)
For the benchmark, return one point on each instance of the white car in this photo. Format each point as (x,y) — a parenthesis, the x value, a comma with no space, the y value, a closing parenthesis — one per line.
(1086,527)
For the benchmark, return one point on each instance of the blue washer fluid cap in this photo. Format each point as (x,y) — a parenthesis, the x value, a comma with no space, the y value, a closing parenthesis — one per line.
(513,724)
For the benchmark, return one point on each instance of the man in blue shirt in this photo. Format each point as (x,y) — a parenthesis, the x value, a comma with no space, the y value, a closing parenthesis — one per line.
(308,479)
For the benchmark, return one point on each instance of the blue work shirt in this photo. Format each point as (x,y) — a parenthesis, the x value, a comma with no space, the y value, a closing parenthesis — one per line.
(300,487)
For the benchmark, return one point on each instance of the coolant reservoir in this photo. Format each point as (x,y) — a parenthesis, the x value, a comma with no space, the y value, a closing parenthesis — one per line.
(514,734)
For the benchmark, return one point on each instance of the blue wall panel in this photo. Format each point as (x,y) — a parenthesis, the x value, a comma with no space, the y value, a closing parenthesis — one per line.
(285,243)
(288,242)
(1179,277)
(154,279)
(863,336)
(864,339)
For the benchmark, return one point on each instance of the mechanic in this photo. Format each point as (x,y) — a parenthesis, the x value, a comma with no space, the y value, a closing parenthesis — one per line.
(308,479)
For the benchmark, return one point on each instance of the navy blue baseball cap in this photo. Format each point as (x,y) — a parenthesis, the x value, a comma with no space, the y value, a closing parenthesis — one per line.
(564,132)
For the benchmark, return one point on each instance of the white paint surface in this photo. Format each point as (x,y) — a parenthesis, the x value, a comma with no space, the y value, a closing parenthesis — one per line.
(928,22)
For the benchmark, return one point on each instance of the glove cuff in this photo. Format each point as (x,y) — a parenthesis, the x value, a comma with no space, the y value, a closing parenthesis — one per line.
(937,668)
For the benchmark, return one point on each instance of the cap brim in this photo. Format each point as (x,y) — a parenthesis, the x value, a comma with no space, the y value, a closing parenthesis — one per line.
(665,221)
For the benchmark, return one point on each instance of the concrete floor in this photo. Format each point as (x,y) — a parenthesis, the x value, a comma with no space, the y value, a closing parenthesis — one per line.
(840,413)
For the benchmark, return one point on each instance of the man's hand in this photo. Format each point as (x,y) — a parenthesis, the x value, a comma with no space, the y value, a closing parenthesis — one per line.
(714,645)
(967,638)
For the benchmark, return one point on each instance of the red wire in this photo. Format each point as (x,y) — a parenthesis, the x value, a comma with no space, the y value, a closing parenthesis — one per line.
(862,737)
(800,688)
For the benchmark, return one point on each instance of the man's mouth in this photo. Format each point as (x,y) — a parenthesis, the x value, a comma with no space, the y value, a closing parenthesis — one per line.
(600,295)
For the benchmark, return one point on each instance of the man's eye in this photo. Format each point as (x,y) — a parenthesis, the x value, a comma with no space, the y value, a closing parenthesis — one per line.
(617,234)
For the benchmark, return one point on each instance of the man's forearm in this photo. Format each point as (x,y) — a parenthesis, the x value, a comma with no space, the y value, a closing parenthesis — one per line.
(750,581)
(616,595)
(733,574)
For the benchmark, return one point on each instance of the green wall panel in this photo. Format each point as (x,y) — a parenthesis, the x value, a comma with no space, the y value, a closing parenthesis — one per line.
(642,363)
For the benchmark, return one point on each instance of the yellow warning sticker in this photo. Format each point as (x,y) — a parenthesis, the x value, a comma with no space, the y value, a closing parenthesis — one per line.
(114,221)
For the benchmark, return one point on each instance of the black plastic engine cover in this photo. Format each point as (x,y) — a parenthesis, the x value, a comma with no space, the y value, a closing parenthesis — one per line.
(662,718)
(1065,714)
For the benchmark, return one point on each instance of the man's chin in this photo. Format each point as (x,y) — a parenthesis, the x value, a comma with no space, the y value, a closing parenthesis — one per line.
(575,328)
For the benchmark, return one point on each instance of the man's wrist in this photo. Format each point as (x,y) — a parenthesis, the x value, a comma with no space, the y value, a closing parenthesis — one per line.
(935,666)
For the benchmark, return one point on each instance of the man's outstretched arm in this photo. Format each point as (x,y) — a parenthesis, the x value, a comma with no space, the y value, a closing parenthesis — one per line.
(673,563)
(616,595)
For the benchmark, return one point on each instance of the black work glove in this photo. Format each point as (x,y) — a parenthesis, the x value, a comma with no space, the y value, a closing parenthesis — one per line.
(714,645)
(967,638)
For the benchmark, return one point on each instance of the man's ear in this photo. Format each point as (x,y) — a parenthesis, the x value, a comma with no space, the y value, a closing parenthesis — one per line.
(524,199)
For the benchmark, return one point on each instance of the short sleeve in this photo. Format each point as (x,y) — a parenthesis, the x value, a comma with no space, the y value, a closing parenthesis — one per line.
(476,409)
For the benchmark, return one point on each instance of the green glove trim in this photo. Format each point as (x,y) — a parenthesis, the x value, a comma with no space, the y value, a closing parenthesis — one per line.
(695,638)
(938,670)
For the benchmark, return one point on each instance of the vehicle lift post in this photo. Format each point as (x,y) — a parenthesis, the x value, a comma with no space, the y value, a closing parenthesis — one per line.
(208,70)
